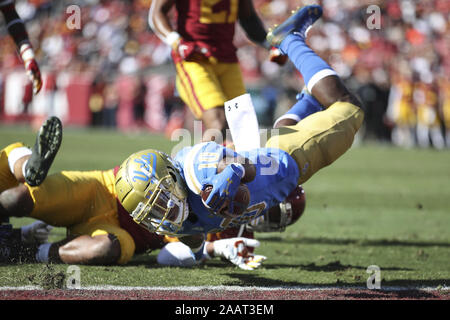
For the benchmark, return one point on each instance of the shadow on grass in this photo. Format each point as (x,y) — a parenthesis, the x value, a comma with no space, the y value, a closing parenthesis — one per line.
(360,242)
(248,279)
(151,263)
(332,266)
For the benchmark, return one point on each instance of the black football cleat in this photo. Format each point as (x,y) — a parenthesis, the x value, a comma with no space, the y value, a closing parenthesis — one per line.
(299,22)
(44,151)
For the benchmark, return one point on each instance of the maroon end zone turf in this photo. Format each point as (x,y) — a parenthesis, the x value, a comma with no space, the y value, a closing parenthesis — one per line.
(206,294)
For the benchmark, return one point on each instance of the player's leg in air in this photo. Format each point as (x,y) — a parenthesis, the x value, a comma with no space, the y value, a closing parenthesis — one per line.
(20,164)
(44,151)
(314,139)
(306,104)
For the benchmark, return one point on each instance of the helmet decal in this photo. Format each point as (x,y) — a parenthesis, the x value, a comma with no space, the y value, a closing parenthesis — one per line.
(147,162)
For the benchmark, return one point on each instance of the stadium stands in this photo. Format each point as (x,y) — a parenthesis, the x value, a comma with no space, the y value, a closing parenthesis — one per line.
(114,72)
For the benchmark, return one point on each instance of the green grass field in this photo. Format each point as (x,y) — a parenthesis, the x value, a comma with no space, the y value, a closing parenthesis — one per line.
(377,205)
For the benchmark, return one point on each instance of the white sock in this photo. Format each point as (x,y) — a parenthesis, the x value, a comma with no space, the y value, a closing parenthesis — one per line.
(243,123)
(15,155)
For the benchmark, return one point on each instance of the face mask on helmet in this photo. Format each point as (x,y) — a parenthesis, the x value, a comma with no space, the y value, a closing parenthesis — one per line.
(279,217)
(162,213)
(151,189)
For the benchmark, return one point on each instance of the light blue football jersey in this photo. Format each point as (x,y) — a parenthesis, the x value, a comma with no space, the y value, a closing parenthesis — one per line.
(276,176)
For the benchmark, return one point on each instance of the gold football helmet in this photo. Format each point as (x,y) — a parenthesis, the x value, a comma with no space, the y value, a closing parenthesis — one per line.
(151,189)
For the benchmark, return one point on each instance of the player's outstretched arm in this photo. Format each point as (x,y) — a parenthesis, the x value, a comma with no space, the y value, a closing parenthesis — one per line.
(236,250)
(256,32)
(252,24)
(98,250)
(18,32)
(29,244)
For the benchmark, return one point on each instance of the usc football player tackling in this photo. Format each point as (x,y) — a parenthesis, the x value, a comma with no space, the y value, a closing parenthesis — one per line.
(208,73)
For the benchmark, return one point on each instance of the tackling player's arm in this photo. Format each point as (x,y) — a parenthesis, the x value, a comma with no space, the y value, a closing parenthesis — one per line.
(252,24)
(84,249)
(158,20)
(18,32)
(98,250)
(14,24)
(256,32)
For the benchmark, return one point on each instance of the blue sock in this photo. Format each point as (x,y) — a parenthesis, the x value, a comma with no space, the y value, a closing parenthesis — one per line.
(306,104)
(311,66)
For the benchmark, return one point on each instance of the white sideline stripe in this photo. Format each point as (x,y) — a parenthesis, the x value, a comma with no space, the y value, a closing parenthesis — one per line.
(228,288)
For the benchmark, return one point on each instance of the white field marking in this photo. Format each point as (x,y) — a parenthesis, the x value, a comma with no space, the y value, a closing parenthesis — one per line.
(231,288)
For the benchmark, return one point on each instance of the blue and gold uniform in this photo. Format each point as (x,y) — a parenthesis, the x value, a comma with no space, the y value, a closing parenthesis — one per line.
(290,158)
(276,176)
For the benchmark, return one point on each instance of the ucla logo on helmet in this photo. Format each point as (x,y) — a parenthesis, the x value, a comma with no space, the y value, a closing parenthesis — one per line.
(147,163)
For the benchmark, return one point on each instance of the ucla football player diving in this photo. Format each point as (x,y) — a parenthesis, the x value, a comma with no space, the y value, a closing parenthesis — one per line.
(166,196)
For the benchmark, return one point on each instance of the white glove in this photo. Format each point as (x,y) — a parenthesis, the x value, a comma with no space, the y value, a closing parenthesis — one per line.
(235,250)
(36,232)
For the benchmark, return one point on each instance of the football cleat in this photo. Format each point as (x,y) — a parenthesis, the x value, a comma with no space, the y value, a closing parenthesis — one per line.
(299,23)
(150,187)
(44,151)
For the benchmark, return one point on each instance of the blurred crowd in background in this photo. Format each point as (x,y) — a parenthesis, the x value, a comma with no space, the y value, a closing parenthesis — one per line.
(112,71)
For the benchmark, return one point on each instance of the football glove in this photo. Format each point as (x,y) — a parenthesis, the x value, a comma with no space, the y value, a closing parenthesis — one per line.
(236,251)
(224,187)
(36,232)
(190,51)
(184,49)
(31,66)
(276,56)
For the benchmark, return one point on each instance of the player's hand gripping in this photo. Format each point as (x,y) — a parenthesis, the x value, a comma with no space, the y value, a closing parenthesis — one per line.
(190,51)
(224,187)
(183,48)
(236,251)
(31,66)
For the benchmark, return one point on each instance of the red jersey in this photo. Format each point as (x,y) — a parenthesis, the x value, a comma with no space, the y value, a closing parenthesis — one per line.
(210,23)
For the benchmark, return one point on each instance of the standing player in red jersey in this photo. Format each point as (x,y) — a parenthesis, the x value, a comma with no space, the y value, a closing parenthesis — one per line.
(16,29)
(208,72)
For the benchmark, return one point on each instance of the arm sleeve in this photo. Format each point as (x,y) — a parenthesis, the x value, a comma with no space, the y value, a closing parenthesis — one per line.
(14,23)
(252,24)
